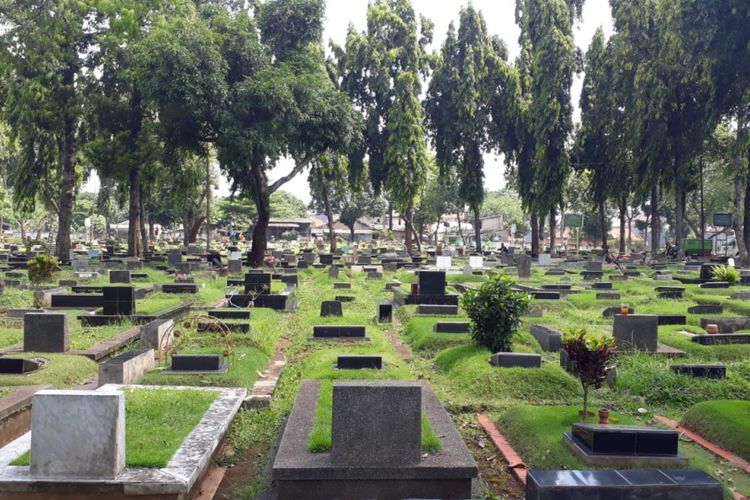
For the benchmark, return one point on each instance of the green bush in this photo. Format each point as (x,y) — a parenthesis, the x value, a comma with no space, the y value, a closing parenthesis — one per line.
(41,268)
(495,311)
(726,273)
(589,359)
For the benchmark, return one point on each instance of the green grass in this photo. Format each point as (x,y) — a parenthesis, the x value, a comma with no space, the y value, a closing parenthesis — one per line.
(10,336)
(62,372)
(418,333)
(157,421)
(535,432)
(244,365)
(320,436)
(725,423)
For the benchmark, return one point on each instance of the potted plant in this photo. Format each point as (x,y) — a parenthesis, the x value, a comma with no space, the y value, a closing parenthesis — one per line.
(589,359)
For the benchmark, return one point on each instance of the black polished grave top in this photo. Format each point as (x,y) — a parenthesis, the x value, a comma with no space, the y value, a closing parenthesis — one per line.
(579,478)
(119,300)
(626,440)
(432,282)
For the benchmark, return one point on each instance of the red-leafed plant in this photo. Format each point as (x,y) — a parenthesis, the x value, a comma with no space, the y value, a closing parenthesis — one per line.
(589,359)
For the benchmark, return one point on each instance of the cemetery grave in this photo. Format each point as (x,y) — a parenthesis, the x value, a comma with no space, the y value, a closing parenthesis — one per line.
(532,407)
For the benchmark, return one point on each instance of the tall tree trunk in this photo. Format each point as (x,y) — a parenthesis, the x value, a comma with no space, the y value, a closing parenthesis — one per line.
(552,226)
(135,236)
(351,233)
(411,231)
(679,217)
(151,231)
(329,215)
(655,222)
(478,229)
(144,229)
(67,190)
(208,205)
(623,212)
(744,217)
(603,226)
(460,232)
(534,236)
(390,217)
(263,205)
(541,238)
(740,215)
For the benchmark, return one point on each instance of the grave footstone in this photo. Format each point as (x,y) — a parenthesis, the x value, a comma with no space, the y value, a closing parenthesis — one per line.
(338,331)
(516,360)
(359,362)
(45,332)
(127,368)
(549,338)
(706,309)
(385,312)
(234,266)
(701,371)
(158,334)
(376,424)
(333,272)
(607,296)
(117,276)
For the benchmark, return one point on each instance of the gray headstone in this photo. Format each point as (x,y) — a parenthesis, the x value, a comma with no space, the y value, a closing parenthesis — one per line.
(234,267)
(523,263)
(376,424)
(157,334)
(78,434)
(45,333)
(116,276)
(135,265)
(636,332)
(594,265)
(390,267)
(174,258)
(333,272)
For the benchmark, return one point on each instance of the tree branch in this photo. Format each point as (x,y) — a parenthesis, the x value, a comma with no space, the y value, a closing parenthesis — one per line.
(298,168)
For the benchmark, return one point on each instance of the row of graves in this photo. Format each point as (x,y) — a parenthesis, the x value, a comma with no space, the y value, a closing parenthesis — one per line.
(74,442)
(77,441)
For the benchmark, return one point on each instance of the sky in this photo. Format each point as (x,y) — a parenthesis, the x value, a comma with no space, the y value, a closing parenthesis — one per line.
(500,17)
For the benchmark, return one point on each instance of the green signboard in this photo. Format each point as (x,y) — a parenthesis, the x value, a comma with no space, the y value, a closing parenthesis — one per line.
(573,220)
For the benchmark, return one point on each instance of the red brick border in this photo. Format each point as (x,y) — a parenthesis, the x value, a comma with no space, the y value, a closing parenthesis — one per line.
(515,463)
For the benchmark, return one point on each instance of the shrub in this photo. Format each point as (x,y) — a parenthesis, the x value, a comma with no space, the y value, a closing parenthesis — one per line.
(289,235)
(589,359)
(495,311)
(41,268)
(726,273)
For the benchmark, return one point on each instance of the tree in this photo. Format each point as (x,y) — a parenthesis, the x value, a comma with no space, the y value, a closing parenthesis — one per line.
(256,93)
(285,205)
(459,106)
(43,48)
(354,205)
(546,63)
(125,142)
(328,180)
(380,69)
(495,311)
(506,204)
(439,197)
(589,359)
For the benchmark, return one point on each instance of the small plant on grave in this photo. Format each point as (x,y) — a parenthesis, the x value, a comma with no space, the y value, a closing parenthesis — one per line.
(495,311)
(41,268)
(726,273)
(589,359)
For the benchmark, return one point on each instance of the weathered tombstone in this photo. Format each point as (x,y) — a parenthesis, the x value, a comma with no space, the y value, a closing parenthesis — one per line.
(476,262)
(594,265)
(468,269)
(390,267)
(376,424)
(544,259)
(134,265)
(302,264)
(78,434)
(523,262)
(174,258)
(636,332)
(331,308)
(707,271)
(549,339)
(333,272)
(234,266)
(119,300)
(326,258)
(432,282)
(443,262)
(157,334)
(45,333)
(127,368)
(117,276)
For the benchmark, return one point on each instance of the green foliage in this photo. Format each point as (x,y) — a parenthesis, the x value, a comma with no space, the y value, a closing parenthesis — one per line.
(726,273)
(589,358)
(41,268)
(290,235)
(495,310)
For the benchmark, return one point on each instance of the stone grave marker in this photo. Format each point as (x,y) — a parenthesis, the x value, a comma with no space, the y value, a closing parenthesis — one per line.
(636,332)
(376,424)
(523,262)
(119,300)
(45,332)
(174,258)
(258,283)
(78,434)
(331,308)
(333,272)
(544,259)
(234,266)
(432,282)
(117,276)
